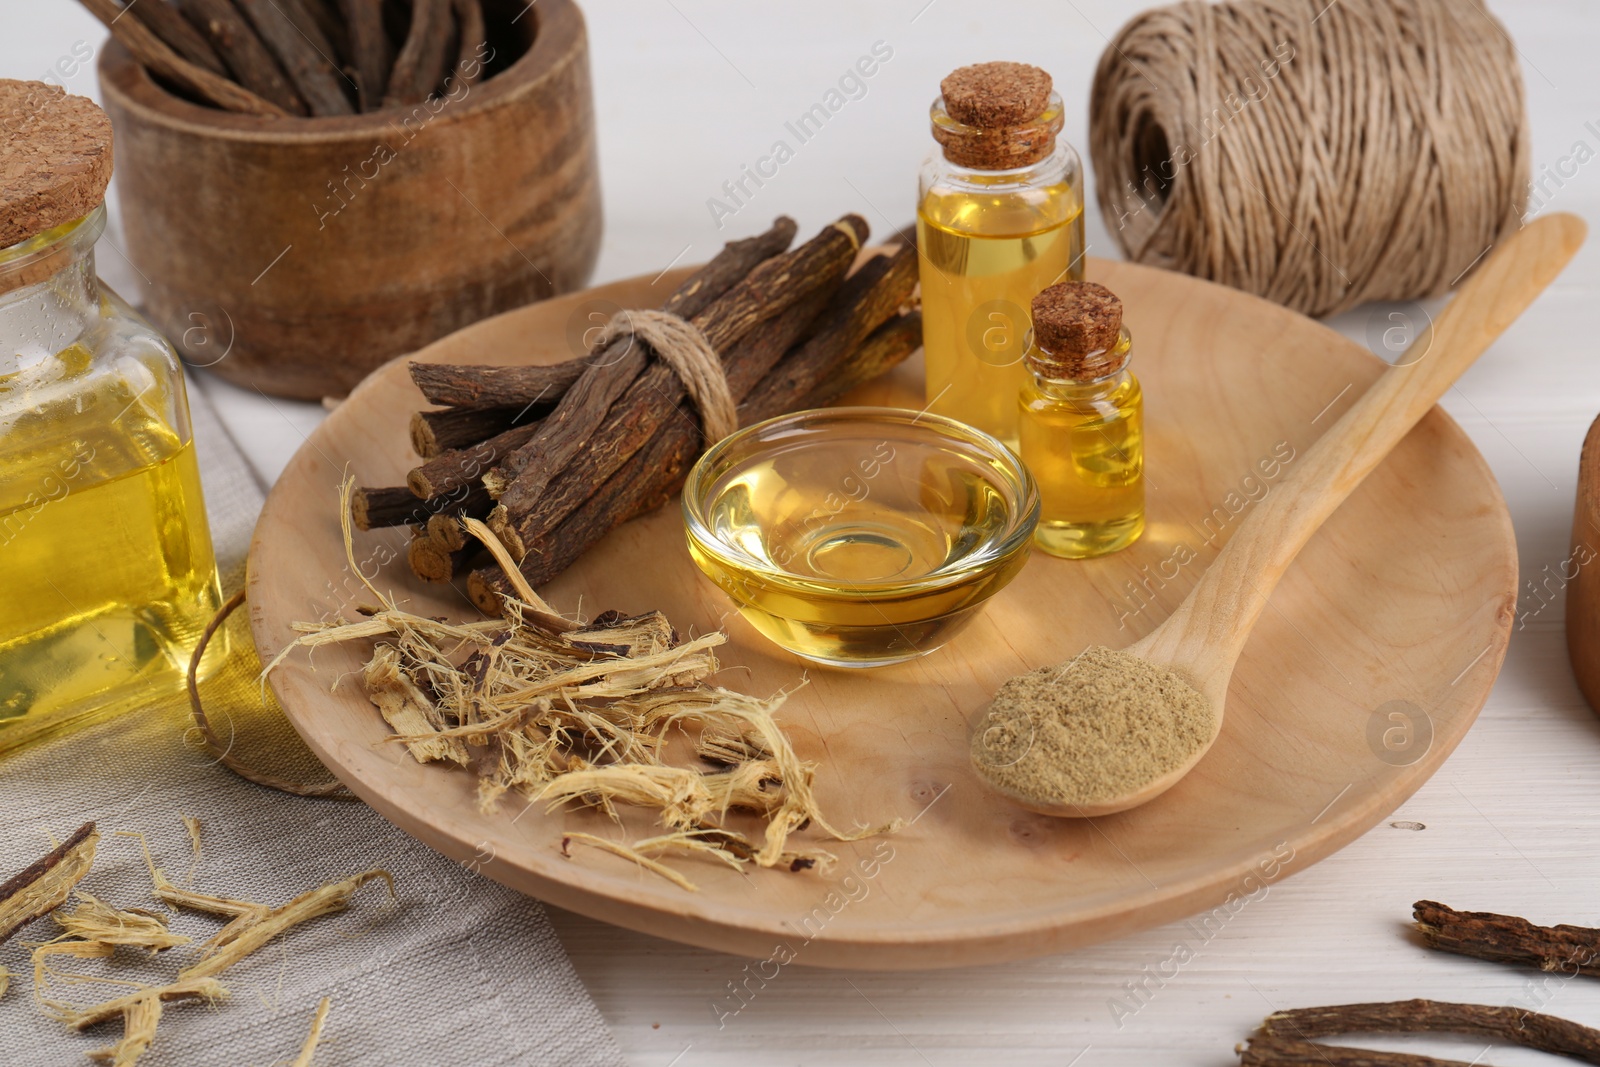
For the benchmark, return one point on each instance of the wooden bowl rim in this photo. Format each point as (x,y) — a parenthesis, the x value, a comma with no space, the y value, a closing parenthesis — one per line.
(559,34)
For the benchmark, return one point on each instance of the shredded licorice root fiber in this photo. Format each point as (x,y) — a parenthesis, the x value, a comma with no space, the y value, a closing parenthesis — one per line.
(95,930)
(44,885)
(564,713)
(313,1038)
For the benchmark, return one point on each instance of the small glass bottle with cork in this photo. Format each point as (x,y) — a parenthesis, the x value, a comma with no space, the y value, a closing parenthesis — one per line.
(109,576)
(999,217)
(1082,423)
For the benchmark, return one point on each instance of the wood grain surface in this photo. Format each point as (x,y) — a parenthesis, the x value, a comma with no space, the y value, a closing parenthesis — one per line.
(1368,667)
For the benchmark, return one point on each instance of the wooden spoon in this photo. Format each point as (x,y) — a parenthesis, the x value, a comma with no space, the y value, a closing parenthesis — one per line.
(1201,640)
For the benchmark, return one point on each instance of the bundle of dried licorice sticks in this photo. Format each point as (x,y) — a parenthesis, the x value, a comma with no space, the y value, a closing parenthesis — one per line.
(554,457)
(304,57)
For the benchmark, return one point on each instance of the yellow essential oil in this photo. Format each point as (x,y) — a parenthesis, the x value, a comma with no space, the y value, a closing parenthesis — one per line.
(107,557)
(107,577)
(1082,424)
(1000,217)
(860,551)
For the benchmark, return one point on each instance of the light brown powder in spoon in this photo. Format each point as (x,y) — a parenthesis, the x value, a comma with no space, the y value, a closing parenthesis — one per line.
(1098,727)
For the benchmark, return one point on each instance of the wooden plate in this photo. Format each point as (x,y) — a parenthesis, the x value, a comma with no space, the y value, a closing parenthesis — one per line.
(1374,657)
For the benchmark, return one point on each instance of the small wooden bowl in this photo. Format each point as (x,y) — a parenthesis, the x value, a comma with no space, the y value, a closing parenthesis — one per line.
(296,255)
(1583,586)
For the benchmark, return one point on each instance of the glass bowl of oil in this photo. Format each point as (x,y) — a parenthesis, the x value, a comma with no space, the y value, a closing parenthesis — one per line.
(860,537)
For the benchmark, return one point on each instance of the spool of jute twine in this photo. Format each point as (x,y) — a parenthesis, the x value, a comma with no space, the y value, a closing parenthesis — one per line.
(1319,155)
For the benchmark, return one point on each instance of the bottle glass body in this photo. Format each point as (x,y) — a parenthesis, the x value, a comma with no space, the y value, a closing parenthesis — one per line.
(990,240)
(1084,442)
(104,546)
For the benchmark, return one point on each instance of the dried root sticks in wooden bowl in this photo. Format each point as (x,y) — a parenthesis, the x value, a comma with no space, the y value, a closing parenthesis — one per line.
(554,457)
(303,57)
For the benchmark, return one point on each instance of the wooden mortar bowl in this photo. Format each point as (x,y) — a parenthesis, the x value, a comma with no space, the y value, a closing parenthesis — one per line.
(1578,571)
(295,255)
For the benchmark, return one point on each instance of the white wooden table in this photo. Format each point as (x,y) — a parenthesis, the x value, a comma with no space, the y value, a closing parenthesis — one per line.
(689,91)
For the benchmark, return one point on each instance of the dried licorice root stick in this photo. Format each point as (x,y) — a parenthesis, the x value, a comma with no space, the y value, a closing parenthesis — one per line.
(1531,1029)
(43,885)
(460,469)
(885,348)
(166,23)
(470,50)
(308,64)
(252,65)
(369,49)
(868,299)
(434,433)
(433,560)
(1284,1052)
(489,386)
(161,59)
(322,23)
(372,507)
(1508,939)
(421,62)
(584,406)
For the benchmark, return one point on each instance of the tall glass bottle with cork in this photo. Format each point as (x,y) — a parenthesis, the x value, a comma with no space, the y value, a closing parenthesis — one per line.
(999,217)
(1082,423)
(105,554)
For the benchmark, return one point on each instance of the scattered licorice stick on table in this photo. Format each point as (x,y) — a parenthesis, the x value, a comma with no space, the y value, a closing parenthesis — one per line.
(1518,1026)
(1284,1052)
(1508,939)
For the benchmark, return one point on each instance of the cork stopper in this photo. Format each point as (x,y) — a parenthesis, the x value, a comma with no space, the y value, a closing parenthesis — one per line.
(991,95)
(1076,330)
(997,116)
(55,158)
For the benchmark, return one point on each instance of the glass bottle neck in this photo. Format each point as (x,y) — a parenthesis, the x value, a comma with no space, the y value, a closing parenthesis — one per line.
(1000,149)
(1080,376)
(48,291)
(1069,389)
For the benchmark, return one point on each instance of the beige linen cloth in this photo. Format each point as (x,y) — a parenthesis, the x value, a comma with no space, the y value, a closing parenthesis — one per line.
(455,970)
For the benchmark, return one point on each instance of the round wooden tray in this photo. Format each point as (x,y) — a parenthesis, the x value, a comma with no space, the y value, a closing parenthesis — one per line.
(1372,661)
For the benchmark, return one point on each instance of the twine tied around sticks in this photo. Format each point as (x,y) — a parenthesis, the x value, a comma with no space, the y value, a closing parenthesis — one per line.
(682,346)
(1319,155)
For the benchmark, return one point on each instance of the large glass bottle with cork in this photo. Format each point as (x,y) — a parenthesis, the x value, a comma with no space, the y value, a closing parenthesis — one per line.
(107,576)
(999,217)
